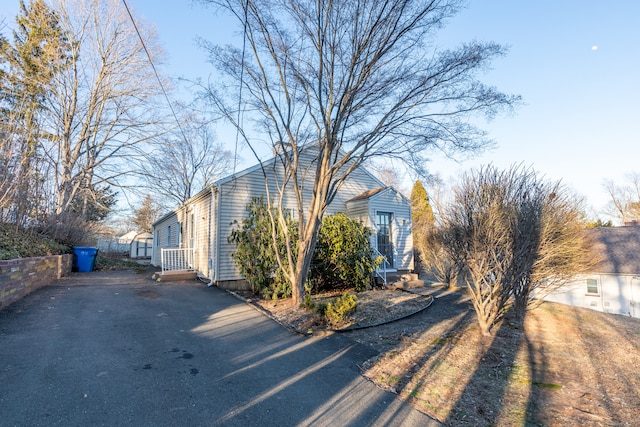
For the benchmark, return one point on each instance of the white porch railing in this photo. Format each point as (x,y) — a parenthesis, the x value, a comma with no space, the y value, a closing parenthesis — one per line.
(381,270)
(177,259)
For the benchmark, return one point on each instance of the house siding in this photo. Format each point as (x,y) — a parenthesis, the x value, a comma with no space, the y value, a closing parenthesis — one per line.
(236,193)
(233,199)
(195,225)
(218,210)
(190,227)
(161,231)
(359,209)
(392,201)
(618,294)
(617,274)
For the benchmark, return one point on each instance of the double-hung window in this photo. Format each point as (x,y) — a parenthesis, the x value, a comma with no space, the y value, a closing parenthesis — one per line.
(593,287)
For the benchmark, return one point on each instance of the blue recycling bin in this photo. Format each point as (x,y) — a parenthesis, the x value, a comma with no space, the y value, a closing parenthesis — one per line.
(85,257)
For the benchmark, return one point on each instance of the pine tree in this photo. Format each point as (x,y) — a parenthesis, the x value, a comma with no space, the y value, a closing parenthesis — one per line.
(28,65)
(421,216)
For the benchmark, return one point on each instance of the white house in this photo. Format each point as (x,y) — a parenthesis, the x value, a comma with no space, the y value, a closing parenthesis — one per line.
(614,284)
(194,236)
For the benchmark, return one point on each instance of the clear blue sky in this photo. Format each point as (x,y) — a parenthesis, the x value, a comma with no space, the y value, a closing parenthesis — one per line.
(576,64)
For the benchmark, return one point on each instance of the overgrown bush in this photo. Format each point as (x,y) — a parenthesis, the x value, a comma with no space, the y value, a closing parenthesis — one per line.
(255,256)
(517,235)
(442,260)
(338,310)
(17,242)
(343,257)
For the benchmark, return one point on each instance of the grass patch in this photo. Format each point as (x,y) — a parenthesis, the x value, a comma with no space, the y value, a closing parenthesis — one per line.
(542,385)
(108,262)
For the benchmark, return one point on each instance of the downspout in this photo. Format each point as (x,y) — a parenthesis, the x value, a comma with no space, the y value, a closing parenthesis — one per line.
(217,231)
(211,210)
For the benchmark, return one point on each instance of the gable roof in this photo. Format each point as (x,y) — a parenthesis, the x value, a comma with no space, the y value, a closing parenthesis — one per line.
(271,161)
(368,194)
(619,249)
(377,192)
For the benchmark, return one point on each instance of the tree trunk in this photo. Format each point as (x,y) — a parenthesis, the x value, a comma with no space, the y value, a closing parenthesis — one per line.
(520,307)
(306,247)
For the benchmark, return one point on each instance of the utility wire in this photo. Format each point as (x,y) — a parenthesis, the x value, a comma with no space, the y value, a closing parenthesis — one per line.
(155,71)
(244,46)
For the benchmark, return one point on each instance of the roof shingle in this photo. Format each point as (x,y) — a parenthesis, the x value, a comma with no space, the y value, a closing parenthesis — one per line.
(619,249)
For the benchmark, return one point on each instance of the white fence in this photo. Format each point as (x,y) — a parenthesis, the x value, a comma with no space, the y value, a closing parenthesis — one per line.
(177,259)
(113,246)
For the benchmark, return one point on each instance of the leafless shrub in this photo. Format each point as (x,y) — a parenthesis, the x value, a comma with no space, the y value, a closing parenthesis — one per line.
(440,257)
(519,237)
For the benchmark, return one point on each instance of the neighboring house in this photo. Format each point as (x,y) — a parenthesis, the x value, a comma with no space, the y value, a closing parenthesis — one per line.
(195,235)
(614,284)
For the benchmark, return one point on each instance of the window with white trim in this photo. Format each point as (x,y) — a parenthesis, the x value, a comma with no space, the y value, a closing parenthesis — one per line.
(593,287)
(192,231)
(384,221)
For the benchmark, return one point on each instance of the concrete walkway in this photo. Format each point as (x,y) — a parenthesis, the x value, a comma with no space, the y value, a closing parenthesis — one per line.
(119,349)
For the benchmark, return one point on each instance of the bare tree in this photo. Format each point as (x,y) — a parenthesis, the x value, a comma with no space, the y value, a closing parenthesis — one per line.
(101,108)
(519,236)
(185,161)
(388,174)
(625,199)
(348,82)
(479,224)
(550,242)
(441,256)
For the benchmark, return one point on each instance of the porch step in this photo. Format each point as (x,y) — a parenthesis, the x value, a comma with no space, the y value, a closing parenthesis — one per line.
(405,284)
(401,281)
(172,276)
(401,277)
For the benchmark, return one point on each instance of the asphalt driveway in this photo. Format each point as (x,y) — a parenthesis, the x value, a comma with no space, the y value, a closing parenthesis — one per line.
(118,349)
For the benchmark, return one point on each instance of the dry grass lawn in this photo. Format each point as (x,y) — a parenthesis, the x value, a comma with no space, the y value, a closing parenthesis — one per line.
(567,366)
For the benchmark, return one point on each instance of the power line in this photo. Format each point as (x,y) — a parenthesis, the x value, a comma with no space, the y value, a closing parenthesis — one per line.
(155,71)
(244,46)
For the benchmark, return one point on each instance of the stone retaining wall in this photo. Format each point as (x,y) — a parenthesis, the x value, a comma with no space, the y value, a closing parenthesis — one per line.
(20,277)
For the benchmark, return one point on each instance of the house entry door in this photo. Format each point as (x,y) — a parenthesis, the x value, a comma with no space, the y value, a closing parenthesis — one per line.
(385,243)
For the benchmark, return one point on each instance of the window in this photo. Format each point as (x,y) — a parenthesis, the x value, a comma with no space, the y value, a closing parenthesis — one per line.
(157,237)
(592,287)
(192,231)
(384,239)
(169,236)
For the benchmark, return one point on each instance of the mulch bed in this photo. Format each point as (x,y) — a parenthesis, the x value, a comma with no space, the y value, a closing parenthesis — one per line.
(374,307)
